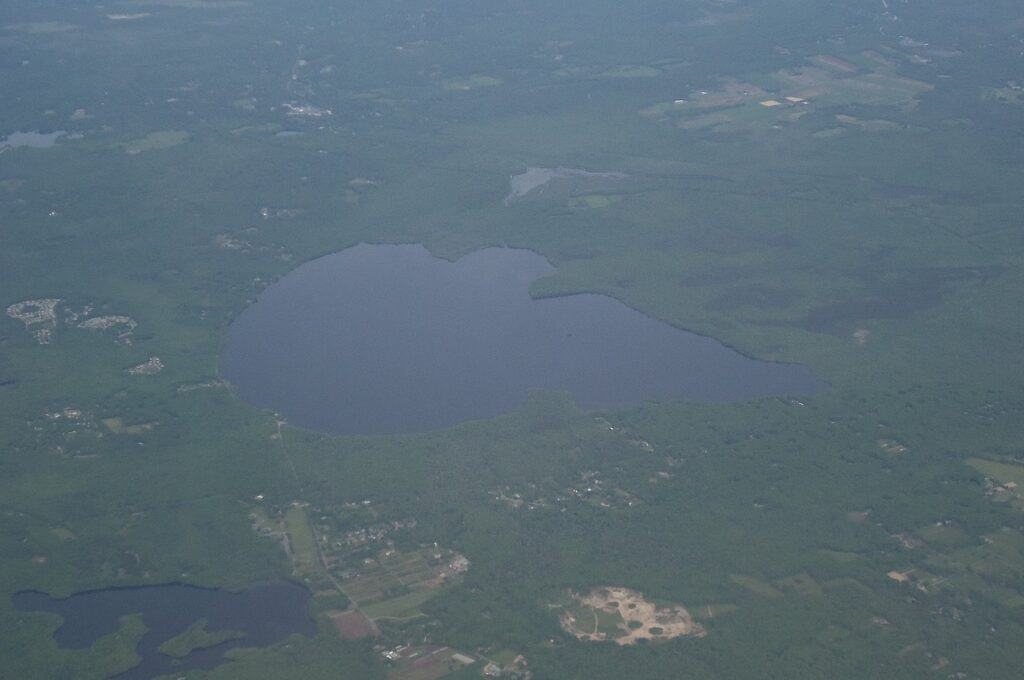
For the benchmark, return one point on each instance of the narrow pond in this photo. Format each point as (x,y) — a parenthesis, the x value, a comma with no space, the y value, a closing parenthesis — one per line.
(382,339)
(258,616)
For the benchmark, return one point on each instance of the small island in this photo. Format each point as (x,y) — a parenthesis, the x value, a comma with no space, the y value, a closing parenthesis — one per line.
(197,637)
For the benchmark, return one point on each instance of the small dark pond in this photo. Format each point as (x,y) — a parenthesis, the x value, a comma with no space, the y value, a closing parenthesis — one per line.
(265,613)
(389,339)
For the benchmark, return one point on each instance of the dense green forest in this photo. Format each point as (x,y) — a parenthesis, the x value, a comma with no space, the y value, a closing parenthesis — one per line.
(835,184)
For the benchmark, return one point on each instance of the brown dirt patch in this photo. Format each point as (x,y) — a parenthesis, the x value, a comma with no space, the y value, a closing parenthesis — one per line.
(634,618)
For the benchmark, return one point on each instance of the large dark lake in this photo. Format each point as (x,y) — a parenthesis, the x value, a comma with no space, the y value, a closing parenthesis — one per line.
(263,614)
(389,339)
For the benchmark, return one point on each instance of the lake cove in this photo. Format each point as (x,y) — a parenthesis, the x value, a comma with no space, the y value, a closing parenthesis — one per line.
(209,621)
(384,339)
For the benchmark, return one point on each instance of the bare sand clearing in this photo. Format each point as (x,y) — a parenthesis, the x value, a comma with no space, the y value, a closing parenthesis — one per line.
(626,617)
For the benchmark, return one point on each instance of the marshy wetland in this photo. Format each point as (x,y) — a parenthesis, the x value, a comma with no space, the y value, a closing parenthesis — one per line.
(178,627)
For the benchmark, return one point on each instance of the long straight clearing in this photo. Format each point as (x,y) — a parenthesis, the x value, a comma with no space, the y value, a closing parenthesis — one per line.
(300,537)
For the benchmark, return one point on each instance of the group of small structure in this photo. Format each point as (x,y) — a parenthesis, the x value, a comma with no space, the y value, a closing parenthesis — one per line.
(42,317)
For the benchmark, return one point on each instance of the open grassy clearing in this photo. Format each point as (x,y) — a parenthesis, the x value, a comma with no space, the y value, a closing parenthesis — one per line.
(1004,481)
(405,606)
(427,663)
(301,539)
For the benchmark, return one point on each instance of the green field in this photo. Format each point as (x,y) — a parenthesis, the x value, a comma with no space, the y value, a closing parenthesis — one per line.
(402,607)
(302,540)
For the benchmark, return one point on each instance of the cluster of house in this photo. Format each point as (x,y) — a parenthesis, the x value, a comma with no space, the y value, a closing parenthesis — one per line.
(375,533)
